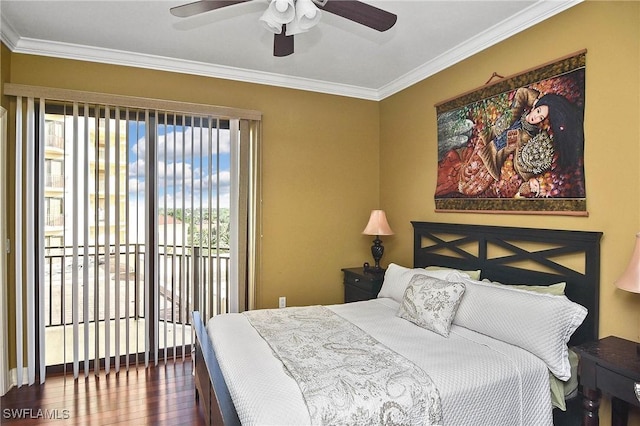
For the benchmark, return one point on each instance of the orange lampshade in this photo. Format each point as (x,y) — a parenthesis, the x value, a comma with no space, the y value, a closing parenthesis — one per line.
(630,279)
(378,224)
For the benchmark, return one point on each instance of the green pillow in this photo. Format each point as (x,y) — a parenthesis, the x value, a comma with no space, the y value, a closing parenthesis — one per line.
(560,390)
(555,289)
(474,275)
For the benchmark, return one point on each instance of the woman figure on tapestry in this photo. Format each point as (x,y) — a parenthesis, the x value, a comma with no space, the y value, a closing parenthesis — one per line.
(513,156)
(512,132)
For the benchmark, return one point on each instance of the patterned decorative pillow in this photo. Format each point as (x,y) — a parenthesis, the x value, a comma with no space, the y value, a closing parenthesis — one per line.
(431,303)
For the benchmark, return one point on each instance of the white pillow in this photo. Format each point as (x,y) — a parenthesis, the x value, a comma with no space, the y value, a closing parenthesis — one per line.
(431,303)
(539,323)
(396,279)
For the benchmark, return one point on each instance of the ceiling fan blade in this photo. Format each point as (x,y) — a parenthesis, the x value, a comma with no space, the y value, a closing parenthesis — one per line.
(361,13)
(195,8)
(282,43)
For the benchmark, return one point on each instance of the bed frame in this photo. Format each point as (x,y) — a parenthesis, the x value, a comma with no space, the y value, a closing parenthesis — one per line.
(212,392)
(506,254)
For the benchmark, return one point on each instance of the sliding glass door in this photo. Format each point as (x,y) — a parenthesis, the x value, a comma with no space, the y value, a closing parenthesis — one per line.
(142,216)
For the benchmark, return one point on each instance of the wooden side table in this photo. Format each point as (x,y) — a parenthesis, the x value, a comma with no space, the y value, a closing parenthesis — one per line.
(610,366)
(361,285)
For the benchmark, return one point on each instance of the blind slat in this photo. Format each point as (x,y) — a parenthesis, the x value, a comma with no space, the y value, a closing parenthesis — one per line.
(18,243)
(40,252)
(116,234)
(75,241)
(85,263)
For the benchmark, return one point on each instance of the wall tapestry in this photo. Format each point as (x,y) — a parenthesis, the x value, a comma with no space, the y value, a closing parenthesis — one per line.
(516,145)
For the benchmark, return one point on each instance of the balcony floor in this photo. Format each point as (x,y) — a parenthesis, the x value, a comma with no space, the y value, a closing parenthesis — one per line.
(59,340)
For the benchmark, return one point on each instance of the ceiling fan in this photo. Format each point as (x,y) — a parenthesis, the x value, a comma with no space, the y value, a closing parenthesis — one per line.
(288,17)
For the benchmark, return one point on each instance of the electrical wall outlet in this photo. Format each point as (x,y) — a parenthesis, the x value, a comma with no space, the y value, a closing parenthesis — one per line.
(282,302)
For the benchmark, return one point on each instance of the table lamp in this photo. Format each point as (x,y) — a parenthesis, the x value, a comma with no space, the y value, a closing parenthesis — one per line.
(377,226)
(630,279)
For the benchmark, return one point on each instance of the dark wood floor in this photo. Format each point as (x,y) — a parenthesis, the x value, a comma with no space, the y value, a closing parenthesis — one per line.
(162,395)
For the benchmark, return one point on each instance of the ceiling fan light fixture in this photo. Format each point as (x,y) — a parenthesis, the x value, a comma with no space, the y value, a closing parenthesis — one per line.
(307,14)
(281,5)
(282,11)
(269,23)
(271,26)
(293,28)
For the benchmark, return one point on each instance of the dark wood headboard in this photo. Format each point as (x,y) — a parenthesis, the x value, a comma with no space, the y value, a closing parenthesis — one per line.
(513,255)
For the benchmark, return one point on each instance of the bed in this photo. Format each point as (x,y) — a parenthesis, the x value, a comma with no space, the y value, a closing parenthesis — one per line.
(475,365)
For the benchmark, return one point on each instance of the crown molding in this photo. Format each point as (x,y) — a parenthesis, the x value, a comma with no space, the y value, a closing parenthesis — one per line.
(536,13)
(138,60)
(529,17)
(8,35)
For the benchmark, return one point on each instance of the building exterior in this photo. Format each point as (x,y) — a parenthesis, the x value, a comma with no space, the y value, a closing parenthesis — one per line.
(107,177)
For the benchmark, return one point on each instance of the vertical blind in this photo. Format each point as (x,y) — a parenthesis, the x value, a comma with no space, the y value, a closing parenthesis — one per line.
(130,213)
(4,353)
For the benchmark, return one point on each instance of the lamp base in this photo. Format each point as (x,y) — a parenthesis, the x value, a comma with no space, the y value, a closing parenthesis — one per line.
(377,250)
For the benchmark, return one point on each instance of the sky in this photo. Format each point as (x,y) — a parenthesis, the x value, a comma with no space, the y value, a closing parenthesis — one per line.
(189,163)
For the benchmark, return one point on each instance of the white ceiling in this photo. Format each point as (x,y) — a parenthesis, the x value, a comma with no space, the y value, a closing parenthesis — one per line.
(337,56)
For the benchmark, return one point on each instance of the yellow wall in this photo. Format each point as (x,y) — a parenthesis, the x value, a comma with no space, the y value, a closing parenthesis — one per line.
(610,31)
(7,214)
(5,66)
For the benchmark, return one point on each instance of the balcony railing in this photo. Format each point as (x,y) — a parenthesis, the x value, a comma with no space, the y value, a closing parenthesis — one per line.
(54,141)
(52,219)
(188,278)
(54,181)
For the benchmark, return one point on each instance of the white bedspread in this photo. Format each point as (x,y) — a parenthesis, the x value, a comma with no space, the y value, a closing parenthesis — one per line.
(481,381)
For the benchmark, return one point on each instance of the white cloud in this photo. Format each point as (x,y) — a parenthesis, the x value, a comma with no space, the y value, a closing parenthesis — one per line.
(136,168)
(136,185)
(196,188)
(170,172)
(223,179)
(188,144)
(186,200)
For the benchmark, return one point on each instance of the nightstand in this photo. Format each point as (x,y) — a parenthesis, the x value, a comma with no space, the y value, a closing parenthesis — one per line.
(361,285)
(610,366)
